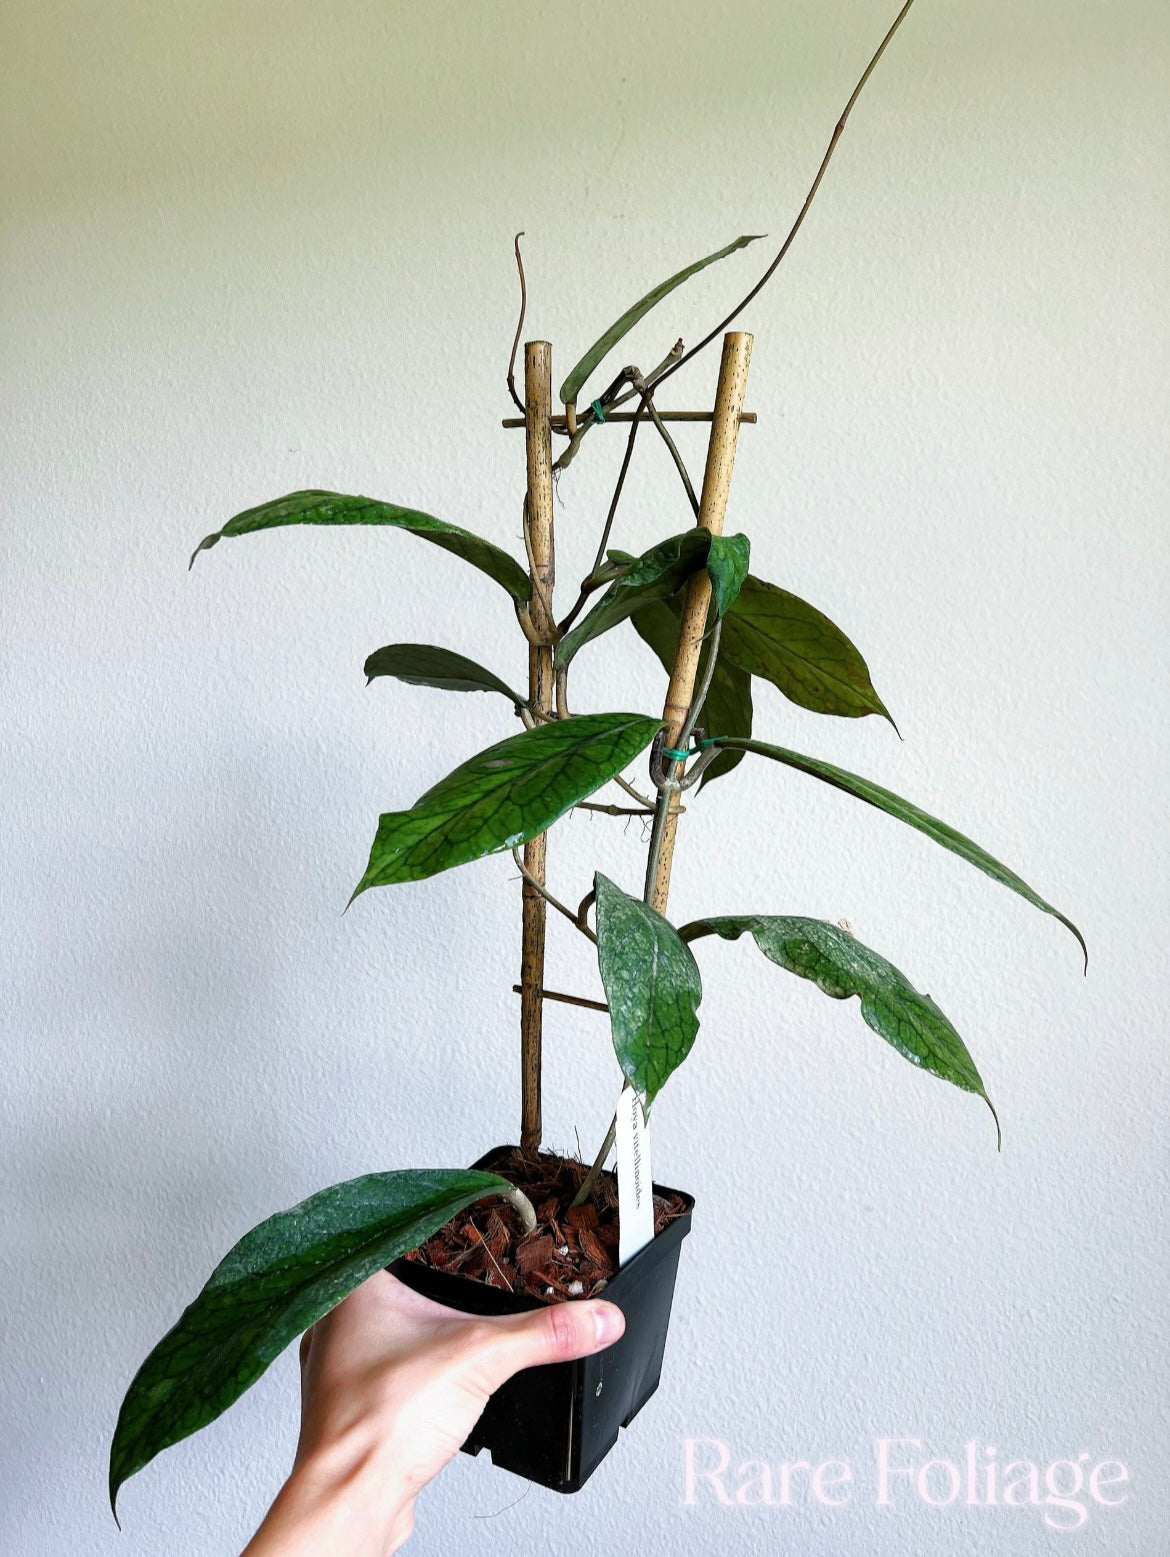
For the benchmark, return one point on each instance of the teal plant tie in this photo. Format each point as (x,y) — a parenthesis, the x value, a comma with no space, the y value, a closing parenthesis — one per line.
(681,756)
(595,407)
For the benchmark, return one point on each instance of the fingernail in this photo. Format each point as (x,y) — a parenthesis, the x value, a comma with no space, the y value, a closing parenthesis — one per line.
(610,1323)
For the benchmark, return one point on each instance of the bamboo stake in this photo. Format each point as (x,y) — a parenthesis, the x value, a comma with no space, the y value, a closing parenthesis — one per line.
(542,694)
(733,372)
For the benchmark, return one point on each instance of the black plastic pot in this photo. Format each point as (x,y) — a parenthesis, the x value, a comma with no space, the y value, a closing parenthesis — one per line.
(555,1424)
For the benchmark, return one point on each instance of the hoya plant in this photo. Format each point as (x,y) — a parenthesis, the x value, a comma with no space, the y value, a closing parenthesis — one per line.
(717,630)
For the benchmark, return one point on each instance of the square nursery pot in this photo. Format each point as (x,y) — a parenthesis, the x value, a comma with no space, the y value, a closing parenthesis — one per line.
(555,1424)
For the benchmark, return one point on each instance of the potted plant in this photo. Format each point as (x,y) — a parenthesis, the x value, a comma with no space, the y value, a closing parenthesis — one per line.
(524,1227)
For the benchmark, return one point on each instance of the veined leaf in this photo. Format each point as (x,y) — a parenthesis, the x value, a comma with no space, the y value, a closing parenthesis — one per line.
(774,634)
(604,344)
(894,805)
(652,985)
(728,709)
(841,966)
(337,508)
(426,665)
(727,564)
(505,795)
(278,1280)
(656,575)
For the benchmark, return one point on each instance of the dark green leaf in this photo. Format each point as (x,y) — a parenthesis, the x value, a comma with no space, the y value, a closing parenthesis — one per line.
(773,634)
(425,665)
(655,575)
(336,508)
(277,1281)
(894,805)
(727,563)
(601,347)
(841,966)
(505,795)
(728,709)
(652,985)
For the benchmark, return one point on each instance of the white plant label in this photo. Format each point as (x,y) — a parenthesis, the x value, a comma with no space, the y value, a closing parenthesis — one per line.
(635,1192)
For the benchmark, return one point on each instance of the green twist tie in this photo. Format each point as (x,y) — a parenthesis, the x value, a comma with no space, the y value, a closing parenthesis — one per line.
(595,407)
(681,756)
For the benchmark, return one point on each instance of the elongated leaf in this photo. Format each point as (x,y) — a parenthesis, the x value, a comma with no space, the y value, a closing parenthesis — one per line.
(774,634)
(727,563)
(504,795)
(277,1281)
(337,508)
(841,966)
(604,344)
(652,985)
(425,665)
(656,575)
(728,709)
(894,805)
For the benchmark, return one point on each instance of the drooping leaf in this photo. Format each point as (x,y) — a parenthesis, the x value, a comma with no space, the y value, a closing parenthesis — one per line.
(728,709)
(605,343)
(774,634)
(894,805)
(505,795)
(337,508)
(656,575)
(727,564)
(652,985)
(841,966)
(278,1280)
(426,665)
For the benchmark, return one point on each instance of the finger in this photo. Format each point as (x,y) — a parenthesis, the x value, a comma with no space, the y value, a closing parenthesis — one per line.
(558,1333)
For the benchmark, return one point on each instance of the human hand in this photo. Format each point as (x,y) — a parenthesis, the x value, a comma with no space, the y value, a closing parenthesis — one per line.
(391,1385)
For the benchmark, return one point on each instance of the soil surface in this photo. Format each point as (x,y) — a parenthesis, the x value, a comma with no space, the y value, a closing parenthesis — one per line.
(569,1254)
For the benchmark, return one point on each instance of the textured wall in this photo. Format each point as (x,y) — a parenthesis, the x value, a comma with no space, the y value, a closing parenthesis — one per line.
(249,247)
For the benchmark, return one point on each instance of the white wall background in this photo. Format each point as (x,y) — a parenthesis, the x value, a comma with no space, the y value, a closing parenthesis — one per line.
(251,247)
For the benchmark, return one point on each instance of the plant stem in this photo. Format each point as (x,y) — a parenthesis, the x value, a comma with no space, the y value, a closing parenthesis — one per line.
(808,200)
(634,794)
(590,1178)
(608,526)
(511,379)
(553,902)
(538,531)
(648,402)
(594,805)
(522,1203)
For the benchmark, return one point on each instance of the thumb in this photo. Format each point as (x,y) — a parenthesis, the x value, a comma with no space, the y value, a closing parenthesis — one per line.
(558,1333)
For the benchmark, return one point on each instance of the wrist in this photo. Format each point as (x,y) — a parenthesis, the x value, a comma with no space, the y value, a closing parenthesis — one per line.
(341,1497)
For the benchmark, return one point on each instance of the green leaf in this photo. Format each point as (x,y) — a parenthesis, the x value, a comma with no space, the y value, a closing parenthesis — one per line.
(841,966)
(774,634)
(277,1281)
(505,795)
(727,563)
(728,709)
(656,575)
(652,985)
(336,508)
(601,347)
(894,805)
(425,665)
